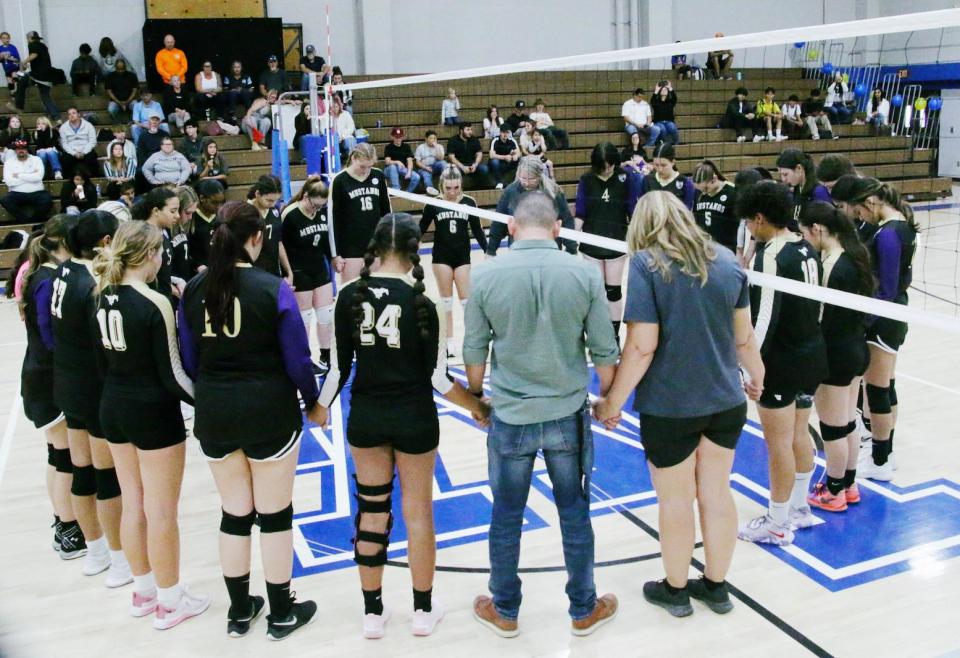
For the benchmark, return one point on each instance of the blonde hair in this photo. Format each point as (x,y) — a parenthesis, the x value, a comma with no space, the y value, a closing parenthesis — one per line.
(532,165)
(186,195)
(132,246)
(44,120)
(362,151)
(663,227)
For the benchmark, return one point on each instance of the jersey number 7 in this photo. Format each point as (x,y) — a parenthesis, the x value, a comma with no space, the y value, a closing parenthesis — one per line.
(387,325)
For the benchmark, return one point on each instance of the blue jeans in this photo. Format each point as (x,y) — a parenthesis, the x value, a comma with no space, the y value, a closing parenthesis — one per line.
(305,82)
(451,121)
(511,450)
(501,168)
(436,169)
(395,171)
(50,157)
(839,113)
(652,131)
(668,130)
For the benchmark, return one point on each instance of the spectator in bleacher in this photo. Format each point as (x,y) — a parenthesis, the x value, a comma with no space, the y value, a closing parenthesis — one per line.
(257,123)
(47,141)
(663,104)
(10,57)
(466,154)
(835,103)
(310,64)
(167,166)
(193,144)
(679,65)
(430,158)
(122,89)
(832,167)
(504,156)
(343,126)
(13,132)
(739,114)
(398,162)
(118,168)
(151,139)
(450,109)
(492,123)
(768,114)
(238,89)
(40,74)
(633,157)
(720,61)
(78,194)
(533,143)
(170,61)
(793,117)
(85,70)
(273,78)
(26,199)
(345,95)
(556,137)
(816,116)
(878,110)
(517,117)
(176,103)
(143,109)
(78,143)
(120,137)
(209,88)
(108,56)
(211,165)
(638,117)
(128,194)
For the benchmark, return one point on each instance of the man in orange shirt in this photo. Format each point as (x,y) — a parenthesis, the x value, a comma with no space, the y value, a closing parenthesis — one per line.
(171,61)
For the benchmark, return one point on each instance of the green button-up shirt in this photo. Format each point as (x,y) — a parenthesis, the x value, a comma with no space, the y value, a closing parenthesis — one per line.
(540,307)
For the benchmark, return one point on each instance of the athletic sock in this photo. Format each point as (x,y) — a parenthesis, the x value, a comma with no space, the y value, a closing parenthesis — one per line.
(325,354)
(279,596)
(779,512)
(117,558)
(849,478)
(450,344)
(373,601)
(891,439)
(423,600)
(98,546)
(712,585)
(801,486)
(835,485)
(238,588)
(671,589)
(169,597)
(880,451)
(144,583)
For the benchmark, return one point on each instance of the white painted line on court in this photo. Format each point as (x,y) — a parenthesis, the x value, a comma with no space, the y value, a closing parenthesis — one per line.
(13,344)
(901,375)
(7,439)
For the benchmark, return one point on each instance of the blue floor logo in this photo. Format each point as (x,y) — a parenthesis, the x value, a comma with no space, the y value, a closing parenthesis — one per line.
(892,530)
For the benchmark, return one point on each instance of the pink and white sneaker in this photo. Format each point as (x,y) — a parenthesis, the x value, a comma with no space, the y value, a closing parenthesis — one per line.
(144,603)
(190,605)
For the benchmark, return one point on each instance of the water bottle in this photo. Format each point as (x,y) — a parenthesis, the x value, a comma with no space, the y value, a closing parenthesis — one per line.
(739,75)
(379,123)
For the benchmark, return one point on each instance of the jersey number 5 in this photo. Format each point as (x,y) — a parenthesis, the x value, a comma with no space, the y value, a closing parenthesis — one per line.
(111,330)
(387,325)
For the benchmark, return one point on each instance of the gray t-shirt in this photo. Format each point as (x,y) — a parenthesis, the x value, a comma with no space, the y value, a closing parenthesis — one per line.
(695,371)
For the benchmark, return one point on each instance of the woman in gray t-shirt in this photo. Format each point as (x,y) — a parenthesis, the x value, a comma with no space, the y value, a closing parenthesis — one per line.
(688,333)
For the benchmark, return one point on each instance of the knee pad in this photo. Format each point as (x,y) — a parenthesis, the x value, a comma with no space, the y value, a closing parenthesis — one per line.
(614,293)
(851,426)
(62,460)
(893,392)
(463,302)
(833,432)
(804,401)
(51,456)
(108,486)
(84,481)
(446,303)
(276,521)
(238,526)
(878,398)
(307,317)
(324,314)
(365,505)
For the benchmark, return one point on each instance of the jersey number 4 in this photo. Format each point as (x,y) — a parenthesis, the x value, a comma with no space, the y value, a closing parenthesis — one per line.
(111,330)
(387,325)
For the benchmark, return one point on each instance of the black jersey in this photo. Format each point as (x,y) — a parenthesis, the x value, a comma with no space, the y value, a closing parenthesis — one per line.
(452,228)
(787,326)
(865,230)
(891,248)
(162,283)
(247,373)
(269,259)
(357,208)
(681,187)
(198,240)
(305,239)
(137,347)
(180,262)
(844,329)
(396,369)
(716,214)
(71,306)
(605,206)
(36,316)
(801,199)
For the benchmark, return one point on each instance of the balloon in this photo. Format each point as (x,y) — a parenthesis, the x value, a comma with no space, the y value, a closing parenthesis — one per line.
(935,103)
(799,44)
(920,103)
(897,100)
(813,54)
(860,89)
(827,68)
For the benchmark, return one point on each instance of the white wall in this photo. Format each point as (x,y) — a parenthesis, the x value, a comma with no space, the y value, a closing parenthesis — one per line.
(68,23)
(311,14)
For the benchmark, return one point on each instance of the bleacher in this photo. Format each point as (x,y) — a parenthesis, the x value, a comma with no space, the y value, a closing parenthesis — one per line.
(584,103)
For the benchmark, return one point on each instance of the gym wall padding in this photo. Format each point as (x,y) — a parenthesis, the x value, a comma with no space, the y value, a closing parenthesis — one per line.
(221,40)
(206,9)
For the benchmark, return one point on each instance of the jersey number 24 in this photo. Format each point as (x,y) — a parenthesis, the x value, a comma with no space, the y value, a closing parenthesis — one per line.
(387,326)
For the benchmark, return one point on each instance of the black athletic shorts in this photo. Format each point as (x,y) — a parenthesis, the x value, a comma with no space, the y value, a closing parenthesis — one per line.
(847,361)
(598,253)
(305,280)
(147,425)
(38,405)
(453,258)
(79,400)
(416,434)
(270,450)
(887,334)
(668,441)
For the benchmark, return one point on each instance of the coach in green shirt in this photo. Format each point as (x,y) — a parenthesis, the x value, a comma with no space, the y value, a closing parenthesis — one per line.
(539,307)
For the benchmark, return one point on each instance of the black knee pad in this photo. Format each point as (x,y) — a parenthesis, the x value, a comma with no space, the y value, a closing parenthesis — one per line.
(108,486)
(84,481)
(61,460)
(51,456)
(365,505)
(893,392)
(238,526)
(277,521)
(804,401)
(833,432)
(851,426)
(878,398)
(614,293)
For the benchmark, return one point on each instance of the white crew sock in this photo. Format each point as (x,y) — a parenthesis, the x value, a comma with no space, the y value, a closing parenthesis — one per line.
(169,597)
(779,512)
(801,486)
(144,583)
(98,546)
(117,558)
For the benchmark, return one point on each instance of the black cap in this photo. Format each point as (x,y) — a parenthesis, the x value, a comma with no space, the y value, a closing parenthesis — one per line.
(311,49)
(272,58)
(33,34)
(519,104)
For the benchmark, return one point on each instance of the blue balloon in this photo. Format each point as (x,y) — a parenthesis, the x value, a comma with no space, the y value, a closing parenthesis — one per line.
(860,89)
(799,44)
(897,100)
(828,68)
(935,103)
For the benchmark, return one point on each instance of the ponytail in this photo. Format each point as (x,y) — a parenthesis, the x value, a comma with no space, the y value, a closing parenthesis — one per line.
(84,236)
(836,222)
(155,199)
(266,184)
(133,245)
(887,194)
(236,223)
(705,172)
(313,186)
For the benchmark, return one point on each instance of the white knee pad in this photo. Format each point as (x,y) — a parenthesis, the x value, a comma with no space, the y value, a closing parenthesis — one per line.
(446,303)
(463,302)
(307,317)
(324,314)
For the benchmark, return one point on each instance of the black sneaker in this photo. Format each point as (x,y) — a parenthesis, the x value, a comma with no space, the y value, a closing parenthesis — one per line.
(300,614)
(56,525)
(240,627)
(717,600)
(321,367)
(72,543)
(678,605)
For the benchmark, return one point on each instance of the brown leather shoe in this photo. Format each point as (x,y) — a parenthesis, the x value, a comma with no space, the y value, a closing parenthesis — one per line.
(485,613)
(605,610)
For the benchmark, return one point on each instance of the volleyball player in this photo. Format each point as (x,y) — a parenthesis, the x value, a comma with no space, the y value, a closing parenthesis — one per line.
(606,197)
(846,267)
(46,252)
(263,195)
(243,343)
(76,391)
(666,177)
(359,198)
(451,244)
(794,355)
(797,171)
(161,208)
(210,199)
(715,207)
(386,321)
(891,249)
(179,239)
(306,242)
(143,383)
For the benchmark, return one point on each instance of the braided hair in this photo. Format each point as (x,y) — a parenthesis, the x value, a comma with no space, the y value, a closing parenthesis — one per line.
(839,226)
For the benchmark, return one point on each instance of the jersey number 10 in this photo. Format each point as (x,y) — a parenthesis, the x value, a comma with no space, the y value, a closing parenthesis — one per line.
(111,330)
(387,325)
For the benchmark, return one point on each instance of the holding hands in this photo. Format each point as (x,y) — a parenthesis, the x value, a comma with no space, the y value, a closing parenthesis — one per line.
(606,412)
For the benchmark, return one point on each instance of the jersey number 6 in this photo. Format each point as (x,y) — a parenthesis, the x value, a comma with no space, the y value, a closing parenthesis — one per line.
(387,325)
